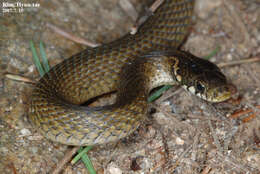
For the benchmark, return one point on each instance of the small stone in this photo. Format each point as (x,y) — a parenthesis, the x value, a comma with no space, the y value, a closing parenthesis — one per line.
(25,132)
(34,150)
(229,57)
(114,169)
(31,68)
(179,141)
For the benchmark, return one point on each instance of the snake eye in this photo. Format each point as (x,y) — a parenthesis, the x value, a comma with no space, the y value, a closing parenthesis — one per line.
(200,87)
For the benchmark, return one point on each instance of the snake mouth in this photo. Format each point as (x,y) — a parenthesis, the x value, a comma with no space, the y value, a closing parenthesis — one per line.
(214,95)
(220,94)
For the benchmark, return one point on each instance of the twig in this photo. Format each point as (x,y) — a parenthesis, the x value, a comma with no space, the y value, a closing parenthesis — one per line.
(155,5)
(206,170)
(65,160)
(193,116)
(178,123)
(165,146)
(179,159)
(250,117)
(237,62)
(247,111)
(142,19)
(168,94)
(159,164)
(234,162)
(240,112)
(71,37)
(19,78)
(217,113)
(195,146)
(12,167)
(256,138)
(128,7)
(217,143)
(255,108)
(229,136)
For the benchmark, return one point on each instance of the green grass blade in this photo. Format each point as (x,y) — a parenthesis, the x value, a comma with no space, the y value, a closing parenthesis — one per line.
(36,59)
(85,159)
(44,58)
(213,53)
(81,151)
(158,93)
(88,164)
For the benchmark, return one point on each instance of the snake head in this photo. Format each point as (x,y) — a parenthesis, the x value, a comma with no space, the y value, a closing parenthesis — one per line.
(202,78)
(211,86)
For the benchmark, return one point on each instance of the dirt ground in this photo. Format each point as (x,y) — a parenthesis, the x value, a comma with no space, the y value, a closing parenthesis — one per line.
(184,135)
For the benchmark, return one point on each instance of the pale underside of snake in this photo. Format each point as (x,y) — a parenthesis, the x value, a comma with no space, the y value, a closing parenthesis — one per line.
(132,66)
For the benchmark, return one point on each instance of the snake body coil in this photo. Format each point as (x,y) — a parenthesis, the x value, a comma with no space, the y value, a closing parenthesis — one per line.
(129,66)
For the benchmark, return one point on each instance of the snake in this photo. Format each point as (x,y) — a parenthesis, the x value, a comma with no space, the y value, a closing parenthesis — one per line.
(131,66)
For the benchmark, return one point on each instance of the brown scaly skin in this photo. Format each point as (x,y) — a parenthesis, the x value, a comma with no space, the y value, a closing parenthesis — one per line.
(128,66)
